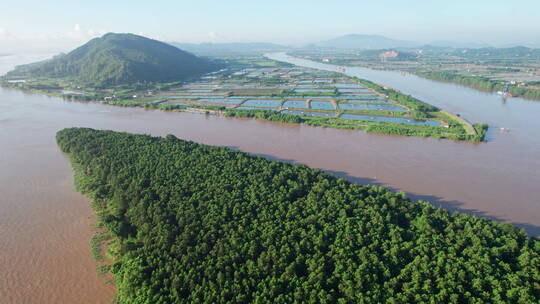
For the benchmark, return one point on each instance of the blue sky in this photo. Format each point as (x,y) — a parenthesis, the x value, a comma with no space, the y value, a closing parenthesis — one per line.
(65,23)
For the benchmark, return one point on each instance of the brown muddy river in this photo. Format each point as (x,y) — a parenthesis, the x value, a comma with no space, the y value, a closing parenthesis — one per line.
(45,226)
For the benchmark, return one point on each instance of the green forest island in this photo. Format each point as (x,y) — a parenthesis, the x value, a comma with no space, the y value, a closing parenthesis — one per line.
(189,223)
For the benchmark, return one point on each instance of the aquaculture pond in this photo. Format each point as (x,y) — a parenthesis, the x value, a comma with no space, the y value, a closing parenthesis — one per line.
(305,85)
(268,103)
(251,96)
(357,90)
(300,90)
(254,108)
(361,96)
(68,92)
(394,108)
(353,106)
(319,97)
(309,113)
(177,102)
(348,85)
(299,104)
(235,87)
(322,105)
(178,96)
(204,94)
(367,101)
(400,120)
(223,100)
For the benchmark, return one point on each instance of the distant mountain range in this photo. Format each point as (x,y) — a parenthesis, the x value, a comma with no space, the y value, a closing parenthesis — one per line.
(357,41)
(116,59)
(230,49)
(371,42)
(351,42)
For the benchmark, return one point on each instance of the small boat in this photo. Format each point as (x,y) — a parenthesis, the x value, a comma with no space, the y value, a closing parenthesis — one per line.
(505,93)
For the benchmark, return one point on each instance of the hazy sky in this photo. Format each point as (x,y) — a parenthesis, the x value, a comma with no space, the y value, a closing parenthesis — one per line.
(61,24)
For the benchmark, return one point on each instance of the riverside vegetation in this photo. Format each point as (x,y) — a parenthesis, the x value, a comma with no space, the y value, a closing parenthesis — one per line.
(482,83)
(453,132)
(198,224)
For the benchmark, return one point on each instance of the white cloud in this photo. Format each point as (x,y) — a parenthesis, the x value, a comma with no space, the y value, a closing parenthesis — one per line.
(5,35)
(212,35)
(79,33)
(216,37)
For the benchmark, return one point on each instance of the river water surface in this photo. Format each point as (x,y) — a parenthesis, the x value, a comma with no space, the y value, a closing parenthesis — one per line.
(45,226)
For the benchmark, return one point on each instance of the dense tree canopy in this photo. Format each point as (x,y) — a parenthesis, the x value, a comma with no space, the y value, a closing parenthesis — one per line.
(201,224)
(482,83)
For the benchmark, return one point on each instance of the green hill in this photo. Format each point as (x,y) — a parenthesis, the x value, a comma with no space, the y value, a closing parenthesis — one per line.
(197,224)
(116,59)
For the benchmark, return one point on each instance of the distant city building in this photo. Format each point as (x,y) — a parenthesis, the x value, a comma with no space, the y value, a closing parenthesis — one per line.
(389,54)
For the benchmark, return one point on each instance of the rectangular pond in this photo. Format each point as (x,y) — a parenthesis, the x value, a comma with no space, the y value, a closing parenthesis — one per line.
(399,120)
(68,92)
(206,94)
(368,101)
(301,90)
(222,100)
(320,97)
(394,108)
(268,103)
(353,106)
(359,90)
(177,102)
(322,105)
(309,113)
(361,96)
(310,87)
(348,85)
(299,104)
(255,108)
(178,96)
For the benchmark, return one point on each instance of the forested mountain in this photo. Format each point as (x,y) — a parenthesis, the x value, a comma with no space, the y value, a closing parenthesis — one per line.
(119,59)
(200,224)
